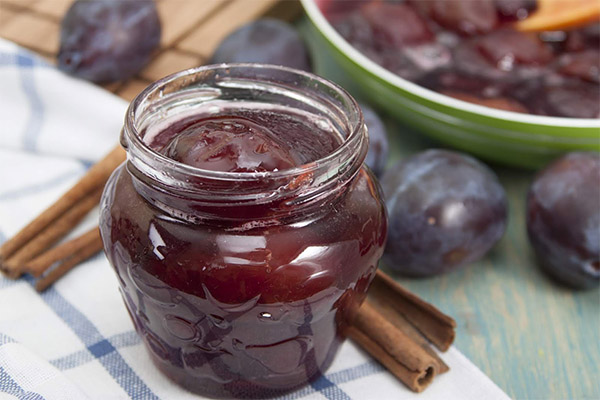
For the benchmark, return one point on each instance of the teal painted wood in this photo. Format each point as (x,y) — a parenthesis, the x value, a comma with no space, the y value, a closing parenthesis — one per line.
(534,338)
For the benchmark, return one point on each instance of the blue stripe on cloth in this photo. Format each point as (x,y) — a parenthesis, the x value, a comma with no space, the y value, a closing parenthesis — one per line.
(329,389)
(5,282)
(38,187)
(113,362)
(36,107)
(73,360)
(81,357)
(2,237)
(337,378)
(21,59)
(86,163)
(360,371)
(101,348)
(9,386)
(5,339)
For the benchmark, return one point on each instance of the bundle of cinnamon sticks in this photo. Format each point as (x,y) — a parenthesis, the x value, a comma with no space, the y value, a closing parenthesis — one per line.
(31,251)
(393,325)
(396,327)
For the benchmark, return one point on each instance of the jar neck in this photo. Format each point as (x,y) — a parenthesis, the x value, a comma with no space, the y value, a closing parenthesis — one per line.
(194,194)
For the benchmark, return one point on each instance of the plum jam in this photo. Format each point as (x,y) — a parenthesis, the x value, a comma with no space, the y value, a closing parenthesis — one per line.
(243,228)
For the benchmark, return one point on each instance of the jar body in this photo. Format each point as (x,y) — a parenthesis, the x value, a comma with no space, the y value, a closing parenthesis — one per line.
(240,282)
(238,309)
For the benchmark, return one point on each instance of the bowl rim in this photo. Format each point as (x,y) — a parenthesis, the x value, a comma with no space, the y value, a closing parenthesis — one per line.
(316,16)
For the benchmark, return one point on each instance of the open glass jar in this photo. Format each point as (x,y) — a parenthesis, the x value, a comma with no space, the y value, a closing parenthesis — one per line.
(241,283)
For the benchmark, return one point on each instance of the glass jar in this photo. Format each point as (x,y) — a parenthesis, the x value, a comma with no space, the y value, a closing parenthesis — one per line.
(241,283)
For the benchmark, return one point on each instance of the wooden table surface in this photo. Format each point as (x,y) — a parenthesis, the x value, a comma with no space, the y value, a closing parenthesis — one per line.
(534,338)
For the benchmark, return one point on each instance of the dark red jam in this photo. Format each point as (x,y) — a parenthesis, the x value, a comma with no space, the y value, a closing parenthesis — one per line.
(246,141)
(468,50)
(237,299)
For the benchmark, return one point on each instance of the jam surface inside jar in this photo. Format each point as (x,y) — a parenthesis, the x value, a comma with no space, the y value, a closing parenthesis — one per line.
(242,287)
(236,143)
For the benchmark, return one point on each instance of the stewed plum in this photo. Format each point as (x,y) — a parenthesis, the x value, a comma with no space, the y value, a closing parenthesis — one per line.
(465,17)
(265,41)
(513,10)
(583,65)
(503,54)
(470,50)
(501,103)
(106,40)
(378,140)
(563,219)
(573,98)
(446,209)
(382,18)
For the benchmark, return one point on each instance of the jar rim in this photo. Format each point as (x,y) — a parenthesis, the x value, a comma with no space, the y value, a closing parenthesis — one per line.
(353,138)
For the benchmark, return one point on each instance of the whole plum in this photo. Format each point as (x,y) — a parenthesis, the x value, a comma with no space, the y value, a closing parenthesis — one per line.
(378,140)
(265,41)
(445,208)
(107,40)
(563,219)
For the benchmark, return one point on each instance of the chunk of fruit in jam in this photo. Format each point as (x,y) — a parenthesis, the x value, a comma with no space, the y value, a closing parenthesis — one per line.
(249,141)
(229,145)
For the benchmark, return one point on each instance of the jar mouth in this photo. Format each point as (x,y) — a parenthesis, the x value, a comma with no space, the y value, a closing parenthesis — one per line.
(353,146)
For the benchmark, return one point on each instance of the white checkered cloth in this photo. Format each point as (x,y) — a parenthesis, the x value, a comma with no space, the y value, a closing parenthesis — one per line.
(76,341)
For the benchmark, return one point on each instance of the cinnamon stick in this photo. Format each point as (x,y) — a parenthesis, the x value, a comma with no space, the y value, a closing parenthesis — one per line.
(14,266)
(86,251)
(41,263)
(96,177)
(401,323)
(436,326)
(404,358)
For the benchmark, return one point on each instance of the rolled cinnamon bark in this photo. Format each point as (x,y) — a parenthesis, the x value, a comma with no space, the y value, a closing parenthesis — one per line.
(89,248)
(13,267)
(41,263)
(401,355)
(388,312)
(431,322)
(96,177)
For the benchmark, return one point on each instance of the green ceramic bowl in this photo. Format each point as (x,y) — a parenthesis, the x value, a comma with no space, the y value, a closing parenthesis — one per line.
(502,136)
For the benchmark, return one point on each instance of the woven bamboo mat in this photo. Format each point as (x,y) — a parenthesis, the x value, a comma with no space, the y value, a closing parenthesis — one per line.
(191,30)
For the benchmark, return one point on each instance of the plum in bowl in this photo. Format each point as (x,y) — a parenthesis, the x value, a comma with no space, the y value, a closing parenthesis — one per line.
(546,106)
